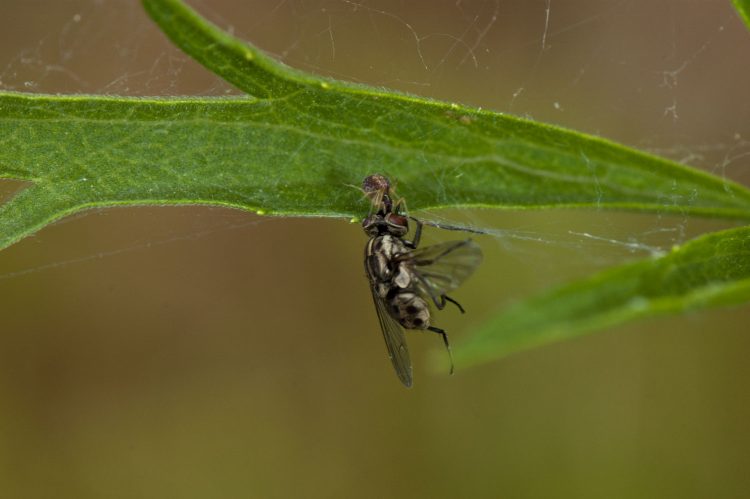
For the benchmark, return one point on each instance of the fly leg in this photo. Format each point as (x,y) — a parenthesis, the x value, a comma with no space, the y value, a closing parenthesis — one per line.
(417,235)
(445,299)
(442,333)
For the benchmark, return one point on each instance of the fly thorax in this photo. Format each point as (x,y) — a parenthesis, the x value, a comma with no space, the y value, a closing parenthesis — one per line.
(391,246)
(378,259)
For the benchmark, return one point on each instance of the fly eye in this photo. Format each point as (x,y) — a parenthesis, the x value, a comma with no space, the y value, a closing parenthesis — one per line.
(398,224)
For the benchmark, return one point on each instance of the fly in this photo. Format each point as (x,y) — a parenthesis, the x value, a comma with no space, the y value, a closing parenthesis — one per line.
(404,278)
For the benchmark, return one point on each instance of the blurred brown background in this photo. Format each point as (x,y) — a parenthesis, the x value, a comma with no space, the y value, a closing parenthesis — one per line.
(201,352)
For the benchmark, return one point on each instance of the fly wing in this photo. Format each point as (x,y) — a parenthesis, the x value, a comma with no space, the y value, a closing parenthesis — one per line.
(394,340)
(441,268)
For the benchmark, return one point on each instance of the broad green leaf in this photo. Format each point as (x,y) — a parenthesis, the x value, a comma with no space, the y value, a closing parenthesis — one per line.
(743,8)
(712,270)
(300,143)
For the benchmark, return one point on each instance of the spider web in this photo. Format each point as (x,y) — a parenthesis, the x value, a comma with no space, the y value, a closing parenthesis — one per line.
(652,76)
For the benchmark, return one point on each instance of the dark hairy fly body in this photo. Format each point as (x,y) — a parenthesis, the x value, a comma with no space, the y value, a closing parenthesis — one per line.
(404,278)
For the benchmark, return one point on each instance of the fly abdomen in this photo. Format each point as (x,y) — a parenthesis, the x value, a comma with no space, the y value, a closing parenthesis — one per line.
(380,256)
(409,310)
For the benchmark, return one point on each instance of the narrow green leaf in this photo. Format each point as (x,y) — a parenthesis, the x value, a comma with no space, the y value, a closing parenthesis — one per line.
(743,8)
(709,271)
(301,143)
(237,62)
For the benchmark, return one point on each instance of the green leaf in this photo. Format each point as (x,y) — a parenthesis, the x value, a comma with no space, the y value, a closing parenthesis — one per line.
(300,143)
(743,8)
(709,271)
